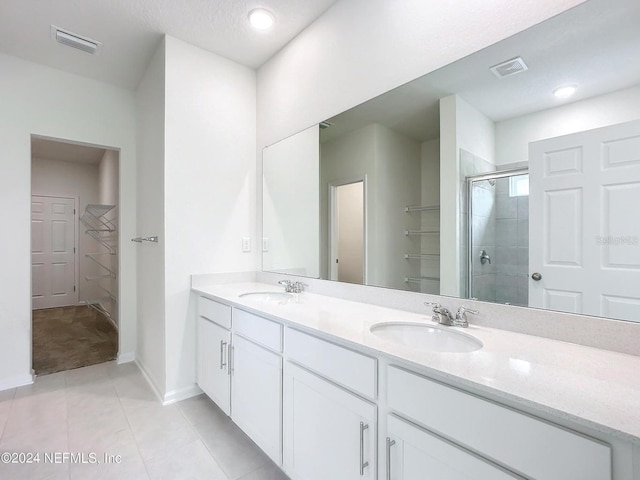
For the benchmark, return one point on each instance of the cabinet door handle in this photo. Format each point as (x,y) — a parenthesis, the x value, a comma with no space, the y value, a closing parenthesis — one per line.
(363,464)
(222,355)
(230,368)
(390,443)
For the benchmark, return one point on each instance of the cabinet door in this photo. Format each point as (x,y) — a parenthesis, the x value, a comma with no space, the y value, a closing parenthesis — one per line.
(416,454)
(213,364)
(329,433)
(256,382)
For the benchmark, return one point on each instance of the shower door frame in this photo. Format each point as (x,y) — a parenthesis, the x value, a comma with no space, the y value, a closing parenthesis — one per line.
(512,172)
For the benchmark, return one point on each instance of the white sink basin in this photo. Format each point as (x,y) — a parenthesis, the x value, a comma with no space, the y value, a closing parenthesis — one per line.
(427,337)
(281,297)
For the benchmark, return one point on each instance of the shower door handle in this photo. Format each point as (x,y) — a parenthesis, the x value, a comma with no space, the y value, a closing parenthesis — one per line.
(536,276)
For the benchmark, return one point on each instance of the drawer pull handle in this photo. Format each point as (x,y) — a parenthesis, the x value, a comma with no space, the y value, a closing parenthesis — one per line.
(230,369)
(363,464)
(222,355)
(390,443)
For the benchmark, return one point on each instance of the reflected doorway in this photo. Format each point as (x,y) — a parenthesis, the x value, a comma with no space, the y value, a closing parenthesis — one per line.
(347,232)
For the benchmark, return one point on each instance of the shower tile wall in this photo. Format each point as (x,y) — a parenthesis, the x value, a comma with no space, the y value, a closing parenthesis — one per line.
(484,238)
(512,245)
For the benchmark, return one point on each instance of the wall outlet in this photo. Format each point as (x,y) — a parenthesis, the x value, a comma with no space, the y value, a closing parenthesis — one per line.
(246,244)
(265,244)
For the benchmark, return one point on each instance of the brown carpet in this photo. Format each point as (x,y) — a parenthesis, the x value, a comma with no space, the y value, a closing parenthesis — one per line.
(71,337)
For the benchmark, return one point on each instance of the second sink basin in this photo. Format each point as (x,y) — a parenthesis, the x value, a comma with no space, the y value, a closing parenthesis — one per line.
(426,337)
(268,296)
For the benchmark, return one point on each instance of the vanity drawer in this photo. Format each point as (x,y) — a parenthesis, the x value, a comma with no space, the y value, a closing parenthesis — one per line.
(259,330)
(353,370)
(523,443)
(215,311)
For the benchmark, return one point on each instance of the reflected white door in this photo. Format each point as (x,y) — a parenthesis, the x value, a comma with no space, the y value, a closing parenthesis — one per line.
(348,233)
(584,231)
(53,269)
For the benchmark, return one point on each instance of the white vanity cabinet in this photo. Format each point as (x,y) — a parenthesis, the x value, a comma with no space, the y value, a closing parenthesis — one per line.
(522,444)
(256,381)
(413,453)
(240,368)
(329,432)
(214,339)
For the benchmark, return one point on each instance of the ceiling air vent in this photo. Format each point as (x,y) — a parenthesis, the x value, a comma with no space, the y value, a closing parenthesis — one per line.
(74,40)
(510,67)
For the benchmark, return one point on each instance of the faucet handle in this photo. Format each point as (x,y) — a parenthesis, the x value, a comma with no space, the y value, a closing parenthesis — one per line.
(288,285)
(441,314)
(461,316)
(435,305)
(298,287)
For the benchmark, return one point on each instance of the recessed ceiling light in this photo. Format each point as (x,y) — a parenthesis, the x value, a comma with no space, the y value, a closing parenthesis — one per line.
(566,91)
(261,19)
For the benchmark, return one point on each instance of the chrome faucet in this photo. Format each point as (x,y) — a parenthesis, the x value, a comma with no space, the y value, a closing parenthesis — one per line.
(461,317)
(441,315)
(292,287)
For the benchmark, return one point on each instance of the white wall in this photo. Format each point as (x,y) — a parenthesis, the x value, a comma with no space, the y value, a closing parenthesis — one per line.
(150,103)
(462,127)
(345,159)
(291,186)
(108,178)
(430,220)
(513,136)
(337,63)
(71,179)
(47,102)
(399,184)
(391,164)
(210,173)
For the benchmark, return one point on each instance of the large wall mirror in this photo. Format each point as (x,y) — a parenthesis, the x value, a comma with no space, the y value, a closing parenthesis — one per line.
(511,176)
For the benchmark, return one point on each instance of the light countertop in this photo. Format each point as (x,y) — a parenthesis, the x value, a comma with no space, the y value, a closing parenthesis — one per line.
(596,388)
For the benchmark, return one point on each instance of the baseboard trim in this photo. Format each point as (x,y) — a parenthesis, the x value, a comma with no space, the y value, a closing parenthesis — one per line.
(151,383)
(16,381)
(181,394)
(126,357)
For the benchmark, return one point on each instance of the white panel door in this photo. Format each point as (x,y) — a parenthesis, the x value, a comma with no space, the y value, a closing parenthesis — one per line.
(584,232)
(256,403)
(415,454)
(53,269)
(328,432)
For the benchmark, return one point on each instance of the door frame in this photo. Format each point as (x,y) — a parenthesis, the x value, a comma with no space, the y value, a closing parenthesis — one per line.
(470,180)
(76,246)
(332,243)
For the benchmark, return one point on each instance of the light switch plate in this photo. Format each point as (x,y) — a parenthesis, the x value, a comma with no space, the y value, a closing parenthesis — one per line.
(265,244)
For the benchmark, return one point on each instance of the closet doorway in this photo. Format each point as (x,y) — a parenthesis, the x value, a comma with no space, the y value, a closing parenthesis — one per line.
(74,258)
(347,231)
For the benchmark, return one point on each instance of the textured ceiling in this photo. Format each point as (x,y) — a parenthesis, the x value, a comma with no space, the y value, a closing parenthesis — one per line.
(132,29)
(595,45)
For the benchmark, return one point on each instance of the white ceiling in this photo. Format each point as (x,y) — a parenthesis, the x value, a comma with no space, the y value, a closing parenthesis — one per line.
(596,45)
(132,29)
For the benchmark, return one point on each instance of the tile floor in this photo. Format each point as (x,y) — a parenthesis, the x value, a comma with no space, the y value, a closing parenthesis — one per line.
(110,409)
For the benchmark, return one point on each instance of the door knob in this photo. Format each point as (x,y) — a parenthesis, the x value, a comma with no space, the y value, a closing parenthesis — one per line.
(536,276)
